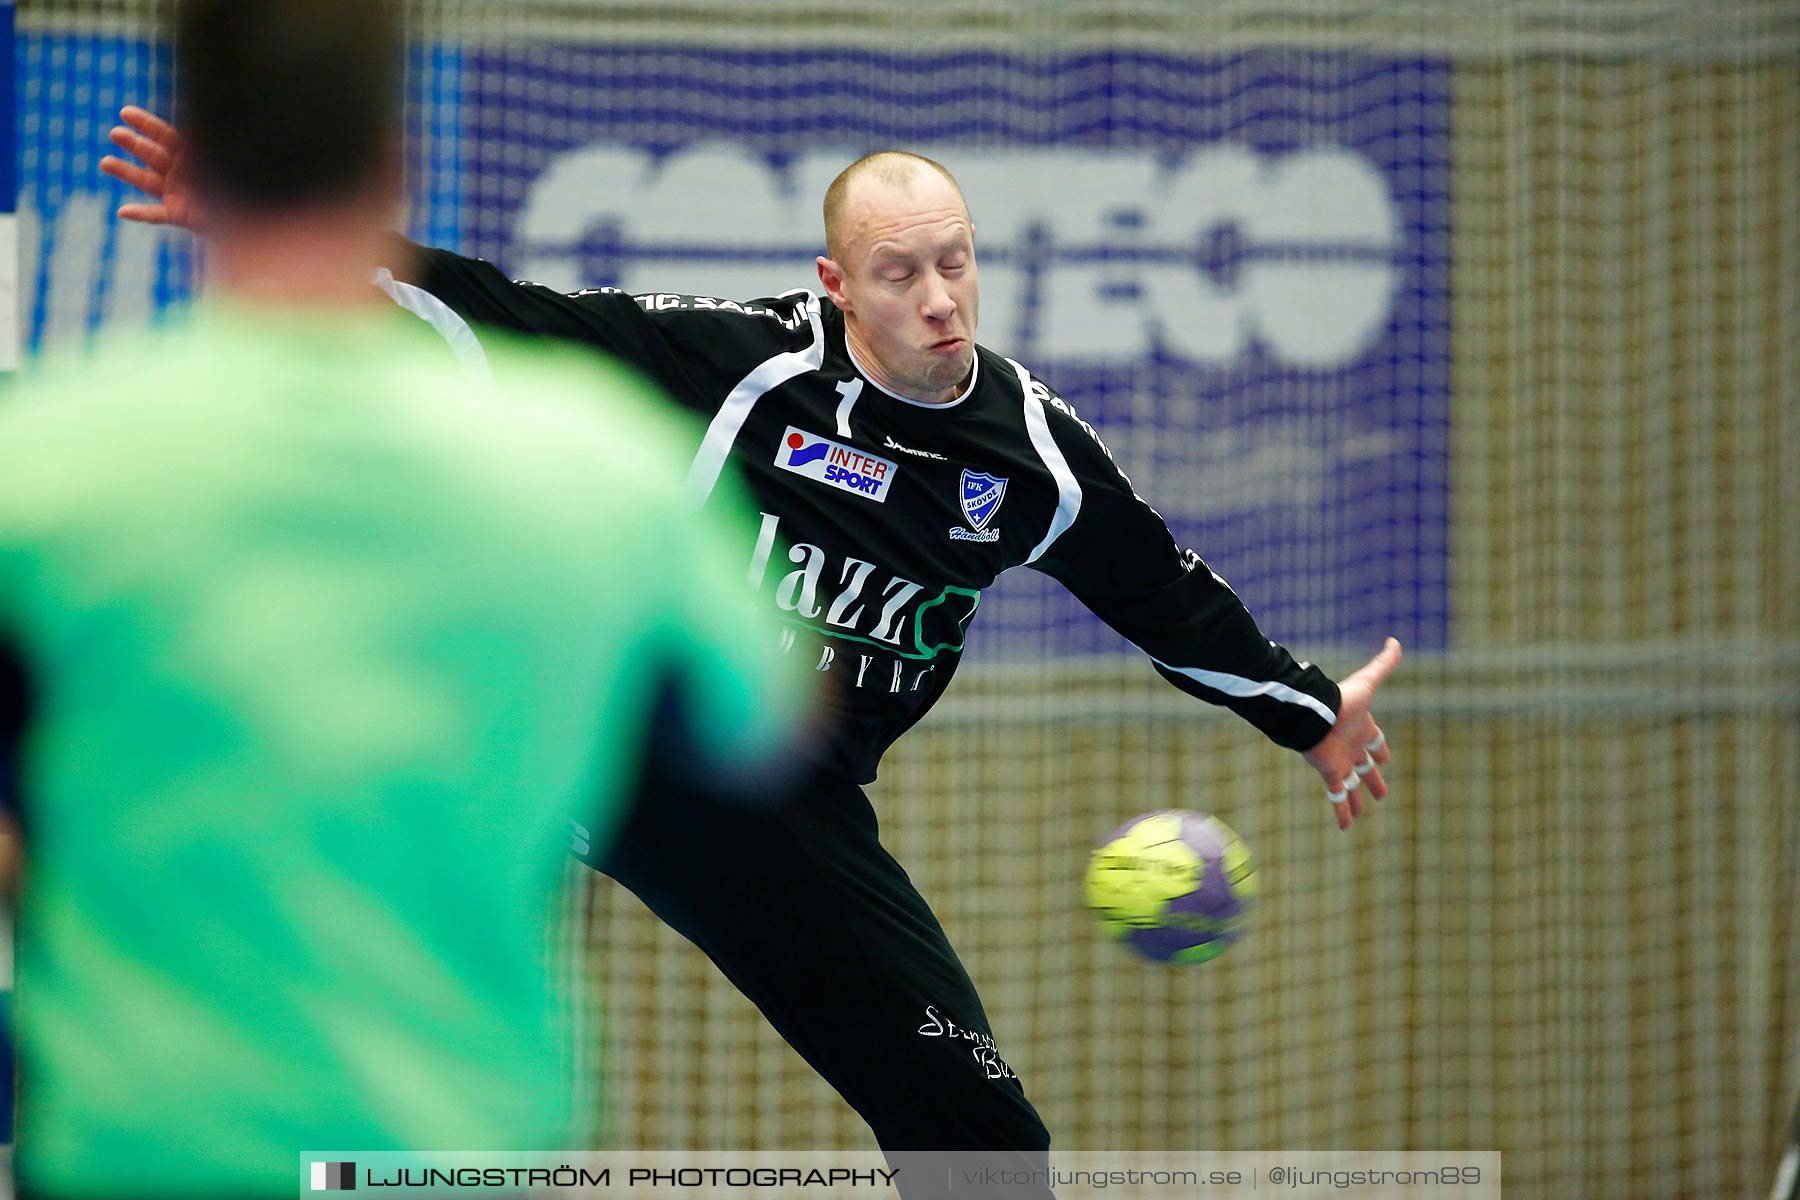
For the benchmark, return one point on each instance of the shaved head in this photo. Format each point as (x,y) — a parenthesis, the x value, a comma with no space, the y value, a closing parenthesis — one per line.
(901,270)
(895,168)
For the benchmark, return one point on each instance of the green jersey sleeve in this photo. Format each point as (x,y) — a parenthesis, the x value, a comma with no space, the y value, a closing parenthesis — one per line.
(742,703)
(730,709)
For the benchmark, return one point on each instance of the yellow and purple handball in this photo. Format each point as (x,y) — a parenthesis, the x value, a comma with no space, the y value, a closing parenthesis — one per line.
(1174,886)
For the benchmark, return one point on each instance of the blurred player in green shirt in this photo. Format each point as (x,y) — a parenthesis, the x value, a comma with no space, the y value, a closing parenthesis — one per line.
(310,645)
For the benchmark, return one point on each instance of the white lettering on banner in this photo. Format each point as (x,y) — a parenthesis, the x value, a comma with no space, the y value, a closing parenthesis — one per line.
(718,196)
(1086,255)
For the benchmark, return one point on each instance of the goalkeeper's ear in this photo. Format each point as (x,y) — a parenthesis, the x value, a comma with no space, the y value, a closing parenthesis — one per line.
(831,278)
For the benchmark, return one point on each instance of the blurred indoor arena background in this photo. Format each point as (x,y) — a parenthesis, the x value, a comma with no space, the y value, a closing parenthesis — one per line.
(1473,323)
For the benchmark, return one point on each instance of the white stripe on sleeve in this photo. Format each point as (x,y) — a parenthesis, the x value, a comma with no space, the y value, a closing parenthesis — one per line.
(722,432)
(1243,689)
(1068,490)
(445,320)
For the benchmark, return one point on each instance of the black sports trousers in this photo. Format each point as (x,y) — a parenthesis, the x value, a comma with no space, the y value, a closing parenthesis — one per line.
(809,916)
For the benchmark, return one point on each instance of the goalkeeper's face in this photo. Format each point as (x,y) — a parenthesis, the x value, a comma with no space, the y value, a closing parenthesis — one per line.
(906,283)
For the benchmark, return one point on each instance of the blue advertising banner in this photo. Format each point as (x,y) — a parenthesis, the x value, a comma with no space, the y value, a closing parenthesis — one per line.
(9,129)
(1236,267)
(81,267)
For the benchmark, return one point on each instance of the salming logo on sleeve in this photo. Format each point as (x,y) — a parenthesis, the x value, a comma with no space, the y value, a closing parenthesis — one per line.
(671,302)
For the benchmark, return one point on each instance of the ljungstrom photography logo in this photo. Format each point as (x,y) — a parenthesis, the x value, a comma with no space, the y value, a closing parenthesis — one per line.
(334,1177)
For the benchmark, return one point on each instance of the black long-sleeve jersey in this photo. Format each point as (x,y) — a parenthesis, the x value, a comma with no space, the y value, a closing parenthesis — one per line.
(884,518)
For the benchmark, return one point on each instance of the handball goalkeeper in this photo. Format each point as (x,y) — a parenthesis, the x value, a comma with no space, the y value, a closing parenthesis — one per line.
(899,467)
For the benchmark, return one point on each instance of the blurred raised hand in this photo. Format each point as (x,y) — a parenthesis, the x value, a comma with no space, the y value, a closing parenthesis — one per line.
(156,168)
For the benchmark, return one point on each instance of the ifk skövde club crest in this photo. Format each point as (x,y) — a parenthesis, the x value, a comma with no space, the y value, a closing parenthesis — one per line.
(981,497)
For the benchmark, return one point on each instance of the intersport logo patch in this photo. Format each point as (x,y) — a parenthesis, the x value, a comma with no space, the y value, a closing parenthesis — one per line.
(835,464)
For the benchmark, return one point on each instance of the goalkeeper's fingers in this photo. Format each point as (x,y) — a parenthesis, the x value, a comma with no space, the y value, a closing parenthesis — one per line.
(145,180)
(152,127)
(146,214)
(154,154)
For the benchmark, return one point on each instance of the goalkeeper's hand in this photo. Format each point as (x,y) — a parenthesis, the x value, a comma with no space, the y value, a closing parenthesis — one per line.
(159,172)
(1349,758)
